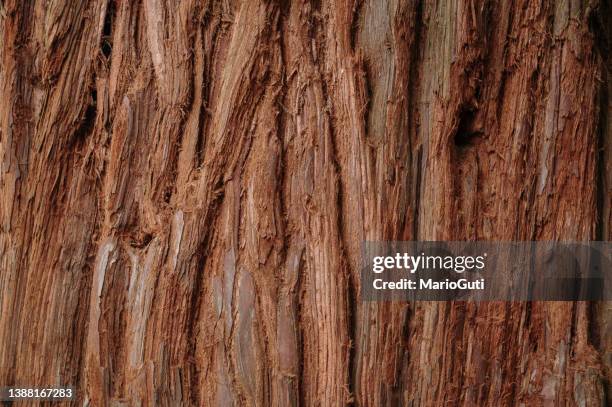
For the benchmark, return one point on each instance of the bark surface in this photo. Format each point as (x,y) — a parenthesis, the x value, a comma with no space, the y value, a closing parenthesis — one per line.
(185,187)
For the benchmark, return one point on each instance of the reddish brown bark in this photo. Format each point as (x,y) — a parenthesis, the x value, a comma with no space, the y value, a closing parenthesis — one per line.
(185,188)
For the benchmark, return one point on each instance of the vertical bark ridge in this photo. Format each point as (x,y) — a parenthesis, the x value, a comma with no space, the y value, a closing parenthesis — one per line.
(312,190)
(46,173)
(384,42)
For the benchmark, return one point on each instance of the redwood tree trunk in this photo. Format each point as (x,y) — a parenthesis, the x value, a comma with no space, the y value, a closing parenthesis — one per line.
(185,187)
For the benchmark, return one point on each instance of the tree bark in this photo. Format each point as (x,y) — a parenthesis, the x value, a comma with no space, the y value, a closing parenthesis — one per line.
(185,188)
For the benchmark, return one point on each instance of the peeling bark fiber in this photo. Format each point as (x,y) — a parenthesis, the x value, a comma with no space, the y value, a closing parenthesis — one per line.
(185,187)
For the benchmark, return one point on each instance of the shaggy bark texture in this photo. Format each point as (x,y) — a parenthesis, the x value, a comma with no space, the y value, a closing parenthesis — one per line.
(185,187)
